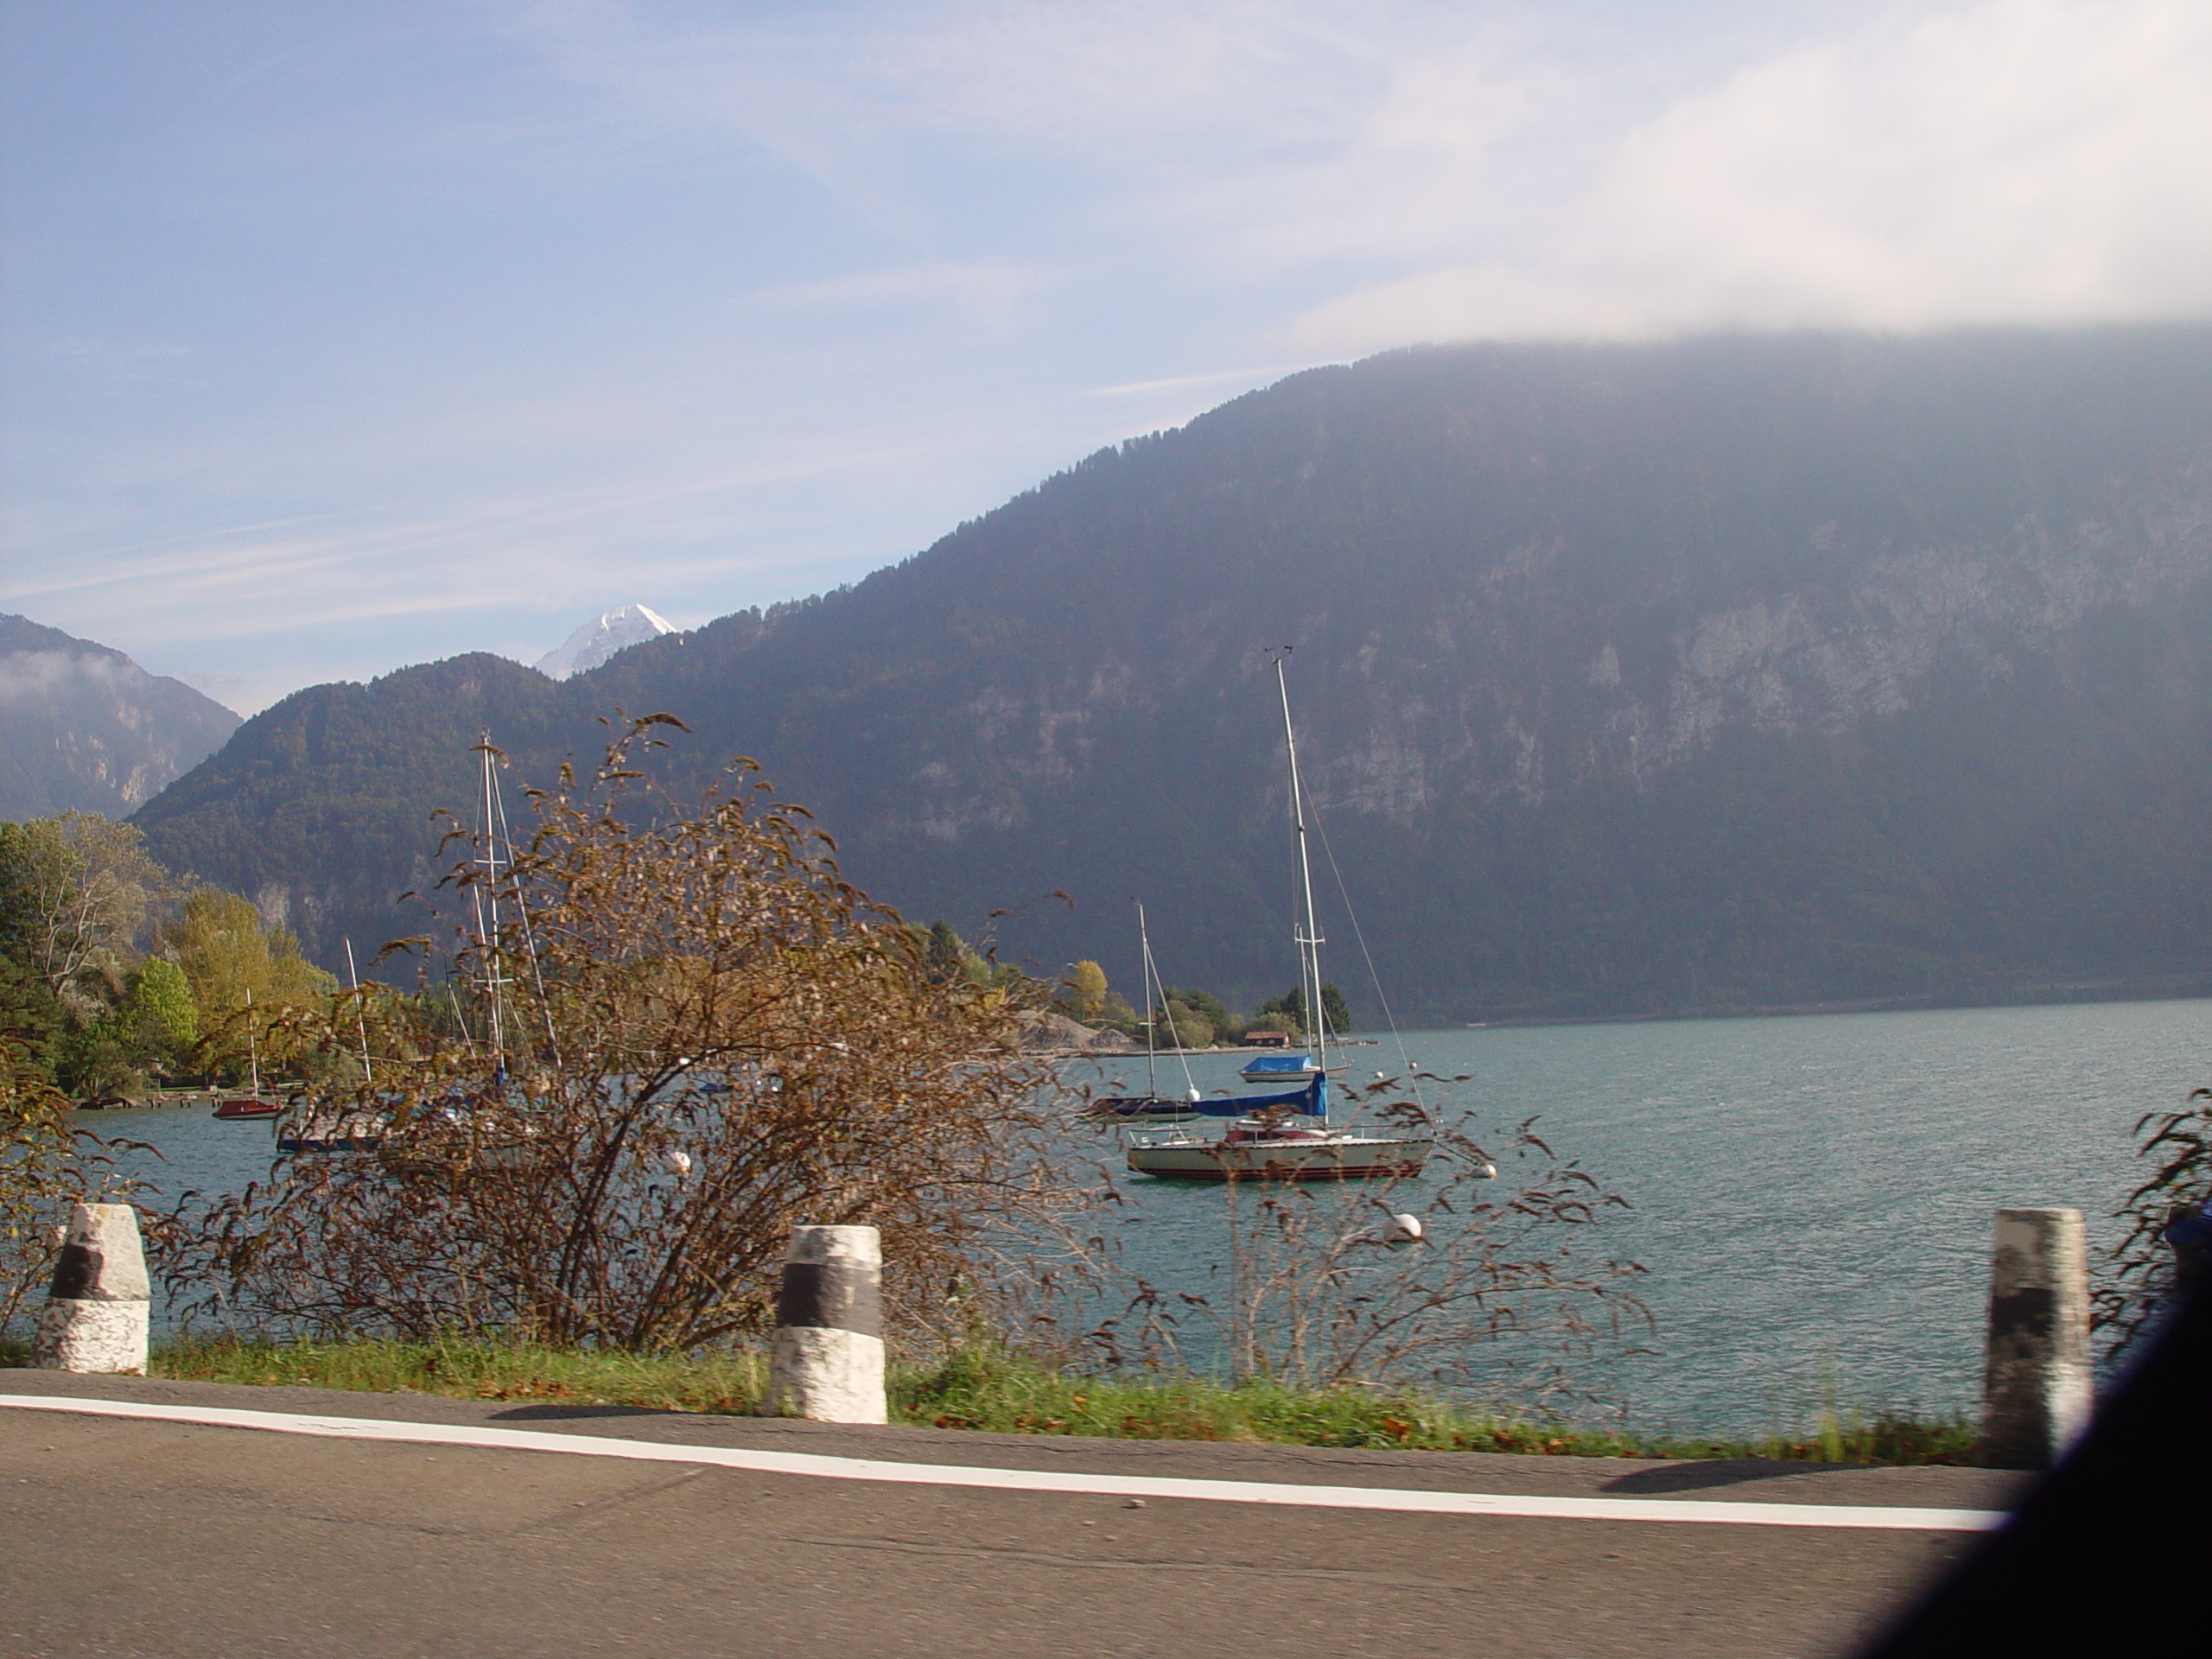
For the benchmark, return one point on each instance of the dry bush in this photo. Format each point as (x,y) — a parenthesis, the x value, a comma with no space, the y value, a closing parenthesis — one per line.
(1507,1291)
(705,1035)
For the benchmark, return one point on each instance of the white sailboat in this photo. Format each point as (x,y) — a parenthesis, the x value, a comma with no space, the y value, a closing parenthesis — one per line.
(1285,1136)
(1152,1106)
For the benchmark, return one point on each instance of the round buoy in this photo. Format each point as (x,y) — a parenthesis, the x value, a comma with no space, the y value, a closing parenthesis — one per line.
(677,1163)
(1403,1229)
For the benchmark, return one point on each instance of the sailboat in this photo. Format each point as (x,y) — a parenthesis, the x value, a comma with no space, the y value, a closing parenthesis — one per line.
(1152,1105)
(255,1105)
(1284,1135)
(368,1129)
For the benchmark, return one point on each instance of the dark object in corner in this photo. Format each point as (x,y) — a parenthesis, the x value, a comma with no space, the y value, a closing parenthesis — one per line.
(2102,1555)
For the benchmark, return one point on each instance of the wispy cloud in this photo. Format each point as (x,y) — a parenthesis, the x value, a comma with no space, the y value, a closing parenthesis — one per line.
(1187,382)
(2023,161)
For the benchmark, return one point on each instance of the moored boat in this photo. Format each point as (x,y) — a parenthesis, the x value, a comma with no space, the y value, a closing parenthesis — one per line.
(1278,1068)
(244,1106)
(255,1103)
(1253,1150)
(1283,1135)
(1152,1106)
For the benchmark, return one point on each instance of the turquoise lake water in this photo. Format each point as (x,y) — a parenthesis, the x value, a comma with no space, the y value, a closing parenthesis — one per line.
(1812,1197)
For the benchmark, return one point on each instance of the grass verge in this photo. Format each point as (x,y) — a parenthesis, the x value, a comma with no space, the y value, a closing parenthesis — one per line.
(987,1389)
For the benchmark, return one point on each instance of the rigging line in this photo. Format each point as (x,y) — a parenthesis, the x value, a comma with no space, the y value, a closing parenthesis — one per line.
(529,939)
(1309,934)
(1374,978)
(1144,990)
(466,1035)
(498,975)
(360,1021)
(1155,983)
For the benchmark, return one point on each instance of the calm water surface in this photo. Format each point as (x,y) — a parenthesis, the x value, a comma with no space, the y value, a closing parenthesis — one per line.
(1812,1197)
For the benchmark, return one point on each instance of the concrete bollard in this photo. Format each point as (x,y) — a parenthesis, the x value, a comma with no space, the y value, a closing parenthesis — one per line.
(95,1316)
(2035,1389)
(827,1361)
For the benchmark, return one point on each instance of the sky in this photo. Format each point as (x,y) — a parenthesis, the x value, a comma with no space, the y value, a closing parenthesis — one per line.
(339,337)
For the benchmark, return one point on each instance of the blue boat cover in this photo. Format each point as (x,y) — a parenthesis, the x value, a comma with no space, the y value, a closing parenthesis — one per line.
(1260,1066)
(1313,1100)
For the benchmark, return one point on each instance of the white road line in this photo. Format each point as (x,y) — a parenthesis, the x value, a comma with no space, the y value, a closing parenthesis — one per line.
(1037,1480)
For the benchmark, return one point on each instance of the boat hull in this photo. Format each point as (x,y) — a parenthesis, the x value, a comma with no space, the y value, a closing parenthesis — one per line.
(246,1106)
(1158,1109)
(1345,1158)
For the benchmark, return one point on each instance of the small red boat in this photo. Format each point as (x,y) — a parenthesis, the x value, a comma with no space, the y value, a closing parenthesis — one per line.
(247,1106)
(251,1105)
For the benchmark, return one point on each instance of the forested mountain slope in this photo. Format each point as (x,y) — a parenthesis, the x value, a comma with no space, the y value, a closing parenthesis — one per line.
(1722,673)
(83,726)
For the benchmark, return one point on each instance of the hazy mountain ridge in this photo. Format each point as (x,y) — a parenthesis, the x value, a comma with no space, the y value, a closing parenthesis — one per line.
(83,726)
(1628,677)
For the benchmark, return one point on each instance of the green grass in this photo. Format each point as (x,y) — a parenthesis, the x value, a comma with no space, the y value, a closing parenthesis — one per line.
(988,1390)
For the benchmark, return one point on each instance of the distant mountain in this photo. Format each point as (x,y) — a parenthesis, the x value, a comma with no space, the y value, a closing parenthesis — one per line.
(600,639)
(1721,673)
(83,726)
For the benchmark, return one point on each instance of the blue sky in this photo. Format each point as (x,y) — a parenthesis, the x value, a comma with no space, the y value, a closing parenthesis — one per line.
(341,336)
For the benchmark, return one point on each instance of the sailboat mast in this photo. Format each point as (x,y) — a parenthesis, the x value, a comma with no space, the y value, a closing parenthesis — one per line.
(360,1020)
(490,862)
(1305,929)
(1144,946)
(252,1045)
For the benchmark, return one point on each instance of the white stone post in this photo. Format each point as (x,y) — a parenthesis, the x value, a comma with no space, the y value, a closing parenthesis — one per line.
(2035,1389)
(96,1312)
(827,1360)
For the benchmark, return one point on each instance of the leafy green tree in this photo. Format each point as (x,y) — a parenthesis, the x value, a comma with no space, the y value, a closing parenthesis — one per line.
(220,943)
(1200,1002)
(74,892)
(159,1012)
(1333,1009)
(1188,1027)
(1284,1013)
(948,956)
(1287,1012)
(1087,991)
(99,1059)
(30,1016)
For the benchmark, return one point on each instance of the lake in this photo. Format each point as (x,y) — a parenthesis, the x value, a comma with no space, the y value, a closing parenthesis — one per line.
(1813,1197)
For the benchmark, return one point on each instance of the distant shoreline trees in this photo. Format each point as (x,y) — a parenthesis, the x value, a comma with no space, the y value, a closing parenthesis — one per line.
(1189,1017)
(116,974)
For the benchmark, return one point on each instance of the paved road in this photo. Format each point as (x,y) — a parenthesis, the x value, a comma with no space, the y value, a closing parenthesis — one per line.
(133,1538)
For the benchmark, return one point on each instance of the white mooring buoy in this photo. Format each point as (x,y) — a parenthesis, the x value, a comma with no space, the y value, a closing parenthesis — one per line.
(1403,1229)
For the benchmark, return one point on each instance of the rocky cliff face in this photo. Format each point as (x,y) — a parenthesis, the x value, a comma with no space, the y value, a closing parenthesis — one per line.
(82,725)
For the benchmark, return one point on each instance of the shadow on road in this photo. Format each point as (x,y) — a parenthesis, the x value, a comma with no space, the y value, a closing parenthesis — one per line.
(1733,1472)
(554,1414)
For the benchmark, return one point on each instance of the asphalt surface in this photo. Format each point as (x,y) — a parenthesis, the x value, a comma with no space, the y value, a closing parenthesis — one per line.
(132,1538)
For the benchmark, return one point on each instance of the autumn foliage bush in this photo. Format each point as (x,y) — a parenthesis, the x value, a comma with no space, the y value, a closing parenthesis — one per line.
(669,1032)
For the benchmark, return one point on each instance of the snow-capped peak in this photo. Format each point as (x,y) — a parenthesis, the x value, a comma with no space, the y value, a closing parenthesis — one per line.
(600,637)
